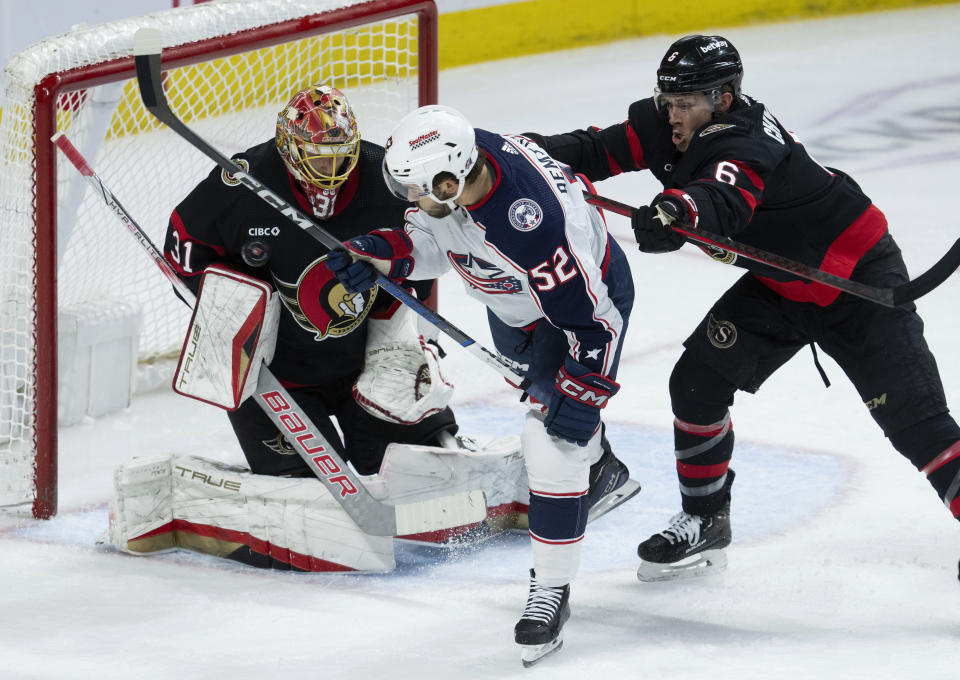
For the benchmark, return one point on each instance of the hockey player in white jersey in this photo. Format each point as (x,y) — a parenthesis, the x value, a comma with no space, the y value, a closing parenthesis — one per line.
(512,222)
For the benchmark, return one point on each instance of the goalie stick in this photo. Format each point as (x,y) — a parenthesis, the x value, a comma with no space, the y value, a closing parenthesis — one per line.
(372,516)
(888,297)
(147,44)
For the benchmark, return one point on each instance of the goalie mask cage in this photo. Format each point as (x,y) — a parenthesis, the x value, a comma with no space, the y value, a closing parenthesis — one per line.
(229,67)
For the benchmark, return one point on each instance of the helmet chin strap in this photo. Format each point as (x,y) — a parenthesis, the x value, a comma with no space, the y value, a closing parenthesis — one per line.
(469,167)
(449,202)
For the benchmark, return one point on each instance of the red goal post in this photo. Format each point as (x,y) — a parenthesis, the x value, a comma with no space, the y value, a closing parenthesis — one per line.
(229,67)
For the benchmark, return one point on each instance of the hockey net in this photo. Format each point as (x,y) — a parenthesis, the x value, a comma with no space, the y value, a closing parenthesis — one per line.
(229,66)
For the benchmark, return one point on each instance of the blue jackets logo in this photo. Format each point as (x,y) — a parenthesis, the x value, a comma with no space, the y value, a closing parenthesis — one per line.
(525,215)
(484,276)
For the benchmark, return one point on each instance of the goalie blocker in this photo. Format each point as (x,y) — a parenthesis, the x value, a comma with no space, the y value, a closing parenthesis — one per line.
(232,333)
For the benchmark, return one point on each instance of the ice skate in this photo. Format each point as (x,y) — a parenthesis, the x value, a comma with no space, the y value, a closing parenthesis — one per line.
(610,484)
(539,631)
(691,546)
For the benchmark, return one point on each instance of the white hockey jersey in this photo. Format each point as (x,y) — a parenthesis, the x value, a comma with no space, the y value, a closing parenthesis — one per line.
(531,249)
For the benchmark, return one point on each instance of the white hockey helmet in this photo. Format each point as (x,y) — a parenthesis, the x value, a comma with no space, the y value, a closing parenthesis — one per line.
(426,142)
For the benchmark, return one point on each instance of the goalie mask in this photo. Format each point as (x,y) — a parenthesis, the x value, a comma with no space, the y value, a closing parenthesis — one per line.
(317,137)
(427,142)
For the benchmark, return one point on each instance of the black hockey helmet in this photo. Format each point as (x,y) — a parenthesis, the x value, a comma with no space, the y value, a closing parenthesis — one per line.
(699,63)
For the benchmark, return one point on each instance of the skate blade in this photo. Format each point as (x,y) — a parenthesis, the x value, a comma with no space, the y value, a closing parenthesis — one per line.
(531,654)
(707,562)
(629,489)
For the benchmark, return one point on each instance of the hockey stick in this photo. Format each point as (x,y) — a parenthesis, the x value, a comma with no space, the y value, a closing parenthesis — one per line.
(370,515)
(888,297)
(146,49)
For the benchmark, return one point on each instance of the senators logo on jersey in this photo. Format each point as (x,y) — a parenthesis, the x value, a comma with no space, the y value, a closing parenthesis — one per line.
(228,178)
(321,305)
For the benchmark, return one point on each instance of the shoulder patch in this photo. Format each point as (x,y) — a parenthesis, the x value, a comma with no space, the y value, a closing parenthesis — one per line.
(525,215)
(716,128)
(229,179)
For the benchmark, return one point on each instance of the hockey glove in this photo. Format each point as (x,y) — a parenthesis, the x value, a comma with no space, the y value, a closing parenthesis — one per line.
(355,275)
(384,250)
(574,410)
(652,224)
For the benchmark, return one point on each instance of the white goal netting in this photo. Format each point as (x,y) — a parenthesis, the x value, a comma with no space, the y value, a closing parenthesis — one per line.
(234,63)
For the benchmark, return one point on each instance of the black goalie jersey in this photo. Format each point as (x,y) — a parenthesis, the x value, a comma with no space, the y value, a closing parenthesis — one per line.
(322,334)
(752,180)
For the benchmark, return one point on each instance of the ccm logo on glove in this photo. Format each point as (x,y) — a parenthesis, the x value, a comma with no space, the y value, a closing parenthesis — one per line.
(592,395)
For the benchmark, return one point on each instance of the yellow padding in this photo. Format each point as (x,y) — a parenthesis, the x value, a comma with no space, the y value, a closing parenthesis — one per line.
(510,30)
(270,76)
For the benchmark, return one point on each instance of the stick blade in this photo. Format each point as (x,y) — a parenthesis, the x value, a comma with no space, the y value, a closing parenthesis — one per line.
(147,41)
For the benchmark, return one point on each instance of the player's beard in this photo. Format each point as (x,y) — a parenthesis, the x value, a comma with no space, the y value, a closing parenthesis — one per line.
(433,208)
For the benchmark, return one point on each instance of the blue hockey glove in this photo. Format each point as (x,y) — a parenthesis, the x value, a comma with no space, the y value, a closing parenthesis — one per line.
(384,250)
(355,275)
(574,410)
(652,224)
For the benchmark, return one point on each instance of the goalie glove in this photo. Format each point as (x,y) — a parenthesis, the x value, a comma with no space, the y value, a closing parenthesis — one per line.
(401,380)
(385,250)
(579,394)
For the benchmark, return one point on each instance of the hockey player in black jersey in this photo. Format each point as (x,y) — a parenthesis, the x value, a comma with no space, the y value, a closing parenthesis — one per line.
(318,161)
(727,165)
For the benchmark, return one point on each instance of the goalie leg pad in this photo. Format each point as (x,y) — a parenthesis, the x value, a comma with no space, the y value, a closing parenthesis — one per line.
(414,473)
(189,502)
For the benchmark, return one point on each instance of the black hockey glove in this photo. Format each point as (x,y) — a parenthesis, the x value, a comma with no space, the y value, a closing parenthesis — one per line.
(574,410)
(651,224)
